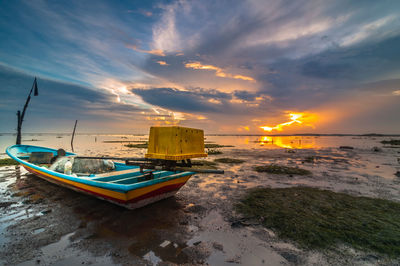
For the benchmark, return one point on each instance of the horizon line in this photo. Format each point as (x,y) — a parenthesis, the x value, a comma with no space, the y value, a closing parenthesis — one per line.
(218,134)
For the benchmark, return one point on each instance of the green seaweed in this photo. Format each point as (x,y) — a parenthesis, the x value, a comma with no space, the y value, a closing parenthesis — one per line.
(321,219)
(281,170)
(391,142)
(213,152)
(204,164)
(215,145)
(310,159)
(229,160)
(8,161)
(138,145)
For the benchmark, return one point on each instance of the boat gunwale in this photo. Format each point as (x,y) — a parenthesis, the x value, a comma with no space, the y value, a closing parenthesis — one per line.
(88,181)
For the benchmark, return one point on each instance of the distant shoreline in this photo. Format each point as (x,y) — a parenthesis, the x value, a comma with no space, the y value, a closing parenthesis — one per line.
(228,135)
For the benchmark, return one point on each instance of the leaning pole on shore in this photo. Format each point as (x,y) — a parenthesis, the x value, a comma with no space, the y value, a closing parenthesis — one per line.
(73,135)
(21,116)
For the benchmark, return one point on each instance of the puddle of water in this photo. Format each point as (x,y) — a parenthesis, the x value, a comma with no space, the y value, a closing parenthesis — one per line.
(149,233)
(19,215)
(171,253)
(10,209)
(57,249)
(60,253)
(38,231)
(151,257)
(156,251)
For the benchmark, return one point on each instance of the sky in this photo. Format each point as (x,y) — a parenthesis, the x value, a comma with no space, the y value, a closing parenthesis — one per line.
(228,67)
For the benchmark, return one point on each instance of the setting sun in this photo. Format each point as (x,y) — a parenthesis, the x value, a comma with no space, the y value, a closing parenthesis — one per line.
(305,119)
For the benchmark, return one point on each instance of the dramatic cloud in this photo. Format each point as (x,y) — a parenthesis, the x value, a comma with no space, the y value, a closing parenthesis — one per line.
(226,66)
(162,63)
(153,52)
(218,71)
(57,103)
(195,100)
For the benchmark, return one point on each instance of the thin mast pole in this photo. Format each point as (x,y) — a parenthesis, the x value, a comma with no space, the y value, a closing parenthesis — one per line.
(21,116)
(73,135)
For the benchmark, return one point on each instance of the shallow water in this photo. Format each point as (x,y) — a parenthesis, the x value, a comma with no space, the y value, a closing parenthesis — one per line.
(114,145)
(107,144)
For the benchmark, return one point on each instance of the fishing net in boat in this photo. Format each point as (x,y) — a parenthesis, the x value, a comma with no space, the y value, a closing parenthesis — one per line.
(92,166)
(59,164)
(83,166)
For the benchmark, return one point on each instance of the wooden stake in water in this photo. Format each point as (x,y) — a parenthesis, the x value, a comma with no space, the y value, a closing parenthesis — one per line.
(21,116)
(73,135)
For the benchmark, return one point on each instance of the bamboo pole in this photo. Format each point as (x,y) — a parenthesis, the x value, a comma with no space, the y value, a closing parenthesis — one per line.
(21,116)
(73,135)
(18,142)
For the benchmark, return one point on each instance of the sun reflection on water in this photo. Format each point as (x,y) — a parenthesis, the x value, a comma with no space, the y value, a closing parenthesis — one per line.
(288,142)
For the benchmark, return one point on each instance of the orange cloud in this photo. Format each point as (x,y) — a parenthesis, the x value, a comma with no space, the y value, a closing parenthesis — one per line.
(215,101)
(153,52)
(161,116)
(246,128)
(162,63)
(218,71)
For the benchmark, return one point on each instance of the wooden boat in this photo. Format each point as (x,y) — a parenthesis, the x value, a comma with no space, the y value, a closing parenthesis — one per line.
(124,185)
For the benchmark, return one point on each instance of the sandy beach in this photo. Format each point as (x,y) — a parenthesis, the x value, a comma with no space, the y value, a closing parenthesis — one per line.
(43,224)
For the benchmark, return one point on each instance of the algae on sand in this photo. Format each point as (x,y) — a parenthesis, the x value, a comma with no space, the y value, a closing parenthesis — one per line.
(310,159)
(229,160)
(213,152)
(139,145)
(8,161)
(280,169)
(215,145)
(204,164)
(321,219)
(391,142)
(145,144)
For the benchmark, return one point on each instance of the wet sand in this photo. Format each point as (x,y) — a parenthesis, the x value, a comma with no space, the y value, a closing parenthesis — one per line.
(43,224)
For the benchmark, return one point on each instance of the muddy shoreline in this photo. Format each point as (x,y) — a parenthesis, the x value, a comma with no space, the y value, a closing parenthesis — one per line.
(42,223)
